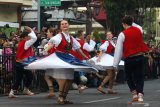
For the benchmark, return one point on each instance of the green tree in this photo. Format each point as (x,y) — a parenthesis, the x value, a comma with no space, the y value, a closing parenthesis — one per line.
(116,9)
(96,35)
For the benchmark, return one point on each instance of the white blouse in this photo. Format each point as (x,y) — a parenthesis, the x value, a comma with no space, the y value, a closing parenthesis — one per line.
(105,45)
(88,46)
(56,40)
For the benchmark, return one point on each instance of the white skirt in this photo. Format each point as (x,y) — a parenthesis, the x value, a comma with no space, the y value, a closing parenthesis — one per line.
(60,73)
(106,61)
(57,67)
(53,62)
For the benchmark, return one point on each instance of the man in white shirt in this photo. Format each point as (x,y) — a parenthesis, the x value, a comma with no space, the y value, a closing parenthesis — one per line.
(130,44)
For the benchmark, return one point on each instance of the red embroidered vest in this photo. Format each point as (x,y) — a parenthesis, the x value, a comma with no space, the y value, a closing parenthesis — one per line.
(110,48)
(133,43)
(64,46)
(78,55)
(21,53)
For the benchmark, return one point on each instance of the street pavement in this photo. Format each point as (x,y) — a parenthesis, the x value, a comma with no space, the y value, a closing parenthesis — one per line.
(90,98)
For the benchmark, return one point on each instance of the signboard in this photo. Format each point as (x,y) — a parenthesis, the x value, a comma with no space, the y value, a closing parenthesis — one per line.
(50,3)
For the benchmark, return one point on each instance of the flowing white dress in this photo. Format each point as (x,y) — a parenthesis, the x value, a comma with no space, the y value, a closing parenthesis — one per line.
(53,62)
(106,61)
(60,67)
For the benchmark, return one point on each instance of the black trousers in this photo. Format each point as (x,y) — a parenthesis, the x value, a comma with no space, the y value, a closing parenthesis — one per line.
(135,73)
(20,72)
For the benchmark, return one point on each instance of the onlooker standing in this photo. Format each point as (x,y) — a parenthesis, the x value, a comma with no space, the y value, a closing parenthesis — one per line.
(7,50)
(130,43)
(2,35)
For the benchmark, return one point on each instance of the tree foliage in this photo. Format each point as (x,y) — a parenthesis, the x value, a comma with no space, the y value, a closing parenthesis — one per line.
(116,9)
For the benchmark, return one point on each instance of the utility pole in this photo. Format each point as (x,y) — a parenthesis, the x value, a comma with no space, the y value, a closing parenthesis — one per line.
(44,17)
(89,20)
(38,15)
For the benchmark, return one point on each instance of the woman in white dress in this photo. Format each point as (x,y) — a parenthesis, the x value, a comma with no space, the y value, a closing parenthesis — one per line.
(105,60)
(64,76)
(63,70)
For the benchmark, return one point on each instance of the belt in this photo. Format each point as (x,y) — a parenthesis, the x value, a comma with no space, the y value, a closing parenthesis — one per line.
(138,54)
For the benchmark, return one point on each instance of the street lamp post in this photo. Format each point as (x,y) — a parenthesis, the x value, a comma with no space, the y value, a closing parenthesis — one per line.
(38,16)
(89,20)
(75,6)
(91,7)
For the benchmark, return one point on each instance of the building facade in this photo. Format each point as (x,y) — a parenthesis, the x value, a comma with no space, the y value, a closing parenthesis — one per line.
(10,15)
(10,12)
(77,18)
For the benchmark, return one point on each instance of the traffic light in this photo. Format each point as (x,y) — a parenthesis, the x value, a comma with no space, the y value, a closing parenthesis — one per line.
(43,18)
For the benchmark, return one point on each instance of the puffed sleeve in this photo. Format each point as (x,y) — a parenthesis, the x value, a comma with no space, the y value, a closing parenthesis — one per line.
(56,40)
(76,44)
(89,46)
(104,46)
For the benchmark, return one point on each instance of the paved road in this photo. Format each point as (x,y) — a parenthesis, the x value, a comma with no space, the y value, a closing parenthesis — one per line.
(91,97)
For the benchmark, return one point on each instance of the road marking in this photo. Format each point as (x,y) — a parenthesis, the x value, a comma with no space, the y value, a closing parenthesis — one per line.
(114,98)
(146,104)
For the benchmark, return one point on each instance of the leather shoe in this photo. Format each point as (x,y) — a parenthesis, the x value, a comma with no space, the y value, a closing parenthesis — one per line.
(100,89)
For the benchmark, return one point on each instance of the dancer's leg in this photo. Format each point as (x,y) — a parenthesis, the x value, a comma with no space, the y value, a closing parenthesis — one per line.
(66,90)
(50,86)
(61,83)
(105,80)
(111,80)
